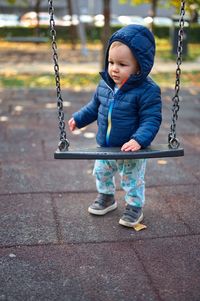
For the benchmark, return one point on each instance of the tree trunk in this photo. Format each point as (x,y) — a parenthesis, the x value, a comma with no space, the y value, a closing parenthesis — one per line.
(37,10)
(72,28)
(153,11)
(81,30)
(194,14)
(154,5)
(106,29)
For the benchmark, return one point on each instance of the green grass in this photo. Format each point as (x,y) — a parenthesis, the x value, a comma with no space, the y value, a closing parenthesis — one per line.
(187,79)
(47,81)
(163,51)
(87,81)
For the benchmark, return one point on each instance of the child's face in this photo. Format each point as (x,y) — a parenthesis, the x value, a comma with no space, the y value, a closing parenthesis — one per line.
(121,64)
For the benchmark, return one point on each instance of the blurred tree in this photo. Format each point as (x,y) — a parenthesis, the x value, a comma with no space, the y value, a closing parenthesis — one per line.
(188,3)
(153,3)
(14,1)
(192,6)
(37,10)
(72,28)
(81,29)
(106,29)
(194,13)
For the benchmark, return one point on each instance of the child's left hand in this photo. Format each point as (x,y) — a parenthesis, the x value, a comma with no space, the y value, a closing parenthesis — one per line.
(131,145)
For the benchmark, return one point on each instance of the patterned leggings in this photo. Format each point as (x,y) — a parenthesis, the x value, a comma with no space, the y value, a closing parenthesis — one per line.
(132,178)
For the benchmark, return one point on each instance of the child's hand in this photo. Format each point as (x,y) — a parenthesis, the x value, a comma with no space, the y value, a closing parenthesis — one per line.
(131,145)
(72,124)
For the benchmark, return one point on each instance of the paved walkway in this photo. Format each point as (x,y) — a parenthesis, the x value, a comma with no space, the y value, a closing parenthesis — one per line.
(52,249)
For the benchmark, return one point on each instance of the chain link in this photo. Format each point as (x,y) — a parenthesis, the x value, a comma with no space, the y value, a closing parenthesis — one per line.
(64,143)
(172,139)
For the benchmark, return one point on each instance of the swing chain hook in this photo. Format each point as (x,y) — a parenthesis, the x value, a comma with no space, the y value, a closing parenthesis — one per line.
(172,139)
(64,143)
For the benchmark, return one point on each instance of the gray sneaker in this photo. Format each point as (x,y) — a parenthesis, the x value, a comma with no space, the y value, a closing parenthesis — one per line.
(132,216)
(103,204)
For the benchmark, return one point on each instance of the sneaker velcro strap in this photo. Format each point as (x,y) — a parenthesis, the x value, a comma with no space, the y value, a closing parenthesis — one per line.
(100,201)
(132,211)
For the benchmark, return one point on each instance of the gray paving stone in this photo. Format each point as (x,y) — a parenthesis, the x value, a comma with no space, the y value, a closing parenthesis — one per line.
(27,219)
(46,176)
(22,151)
(185,203)
(168,171)
(191,143)
(191,163)
(180,191)
(84,272)
(173,266)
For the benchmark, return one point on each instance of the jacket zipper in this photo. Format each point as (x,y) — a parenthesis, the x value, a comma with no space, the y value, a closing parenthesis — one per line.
(109,117)
(109,122)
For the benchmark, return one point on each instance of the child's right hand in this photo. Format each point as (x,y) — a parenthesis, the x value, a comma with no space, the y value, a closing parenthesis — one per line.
(72,124)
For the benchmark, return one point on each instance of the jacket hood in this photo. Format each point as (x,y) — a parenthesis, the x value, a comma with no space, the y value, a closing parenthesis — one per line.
(142,44)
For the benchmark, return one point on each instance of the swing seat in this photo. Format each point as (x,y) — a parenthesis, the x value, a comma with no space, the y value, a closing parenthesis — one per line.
(153,151)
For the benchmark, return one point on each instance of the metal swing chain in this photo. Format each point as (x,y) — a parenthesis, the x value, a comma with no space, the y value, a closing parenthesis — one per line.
(172,140)
(64,143)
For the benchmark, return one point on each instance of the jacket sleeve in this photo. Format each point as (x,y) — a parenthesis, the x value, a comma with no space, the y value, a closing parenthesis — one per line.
(88,113)
(150,116)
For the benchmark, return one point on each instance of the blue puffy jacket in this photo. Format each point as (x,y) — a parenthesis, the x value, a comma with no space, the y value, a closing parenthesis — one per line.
(135,110)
